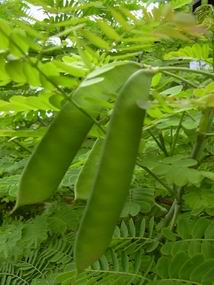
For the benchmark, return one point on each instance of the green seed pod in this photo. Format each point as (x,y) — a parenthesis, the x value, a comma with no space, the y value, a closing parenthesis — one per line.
(58,147)
(114,175)
(87,174)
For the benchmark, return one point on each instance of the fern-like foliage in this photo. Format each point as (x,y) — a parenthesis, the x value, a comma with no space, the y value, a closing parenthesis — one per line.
(40,266)
(189,258)
(128,260)
(196,51)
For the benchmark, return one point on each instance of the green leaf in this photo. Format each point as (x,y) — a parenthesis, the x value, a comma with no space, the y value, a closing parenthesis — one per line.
(124,229)
(5,32)
(31,74)
(5,27)
(130,208)
(71,68)
(36,231)
(21,133)
(104,263)
(15,71)
(189,265)
(209,233)
(18,43)
(108,30)
(176,170)
(167,233)
(96,40)
(200,270)
(10,235)
(199,198)
(162,266)
(176,4)
(132,229)
(4,77)
(189,123)
(142,227)
(4,43)
(184,227)
(156,79)
(21,103)
(172,91)
(207,278)
(176,263)
(139,200)
(65,276)
(120,19)
(48,75)
(56,101)
(199,227)
(196,51)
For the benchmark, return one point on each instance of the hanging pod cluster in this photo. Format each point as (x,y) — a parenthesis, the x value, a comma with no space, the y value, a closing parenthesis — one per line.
(114,158)
(110,185)
(58,147)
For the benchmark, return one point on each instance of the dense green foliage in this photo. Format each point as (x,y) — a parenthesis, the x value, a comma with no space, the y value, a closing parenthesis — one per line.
(165,235)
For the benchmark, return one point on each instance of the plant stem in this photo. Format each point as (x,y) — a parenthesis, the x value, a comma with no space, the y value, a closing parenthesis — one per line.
(158,143)
(186,69)
(204,127)
(21,146)
(177,133)
(163,144)
(155,177)
(180,78)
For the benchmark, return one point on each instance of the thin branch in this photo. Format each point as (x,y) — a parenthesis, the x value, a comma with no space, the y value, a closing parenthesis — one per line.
(163,144)
(20,145)
(158,143)
(181,79)
(155,177)
(185,69)
(177,133)
(204,127)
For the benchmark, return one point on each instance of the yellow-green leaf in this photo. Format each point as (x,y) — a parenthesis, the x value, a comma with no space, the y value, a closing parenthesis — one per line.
(108,30)
(32,75)
(72,69)
(120,19)
(15,71)
(96,40)
(4,77)
(18,43)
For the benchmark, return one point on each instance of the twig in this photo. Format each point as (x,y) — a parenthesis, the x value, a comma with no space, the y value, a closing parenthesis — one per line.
(155,177)
(186,69)
(204,127)
(177,133)
(180,78)
(20,145)
(158,143)
(163,144)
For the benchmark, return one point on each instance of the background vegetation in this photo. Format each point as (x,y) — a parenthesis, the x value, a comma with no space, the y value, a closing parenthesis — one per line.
(166,232)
